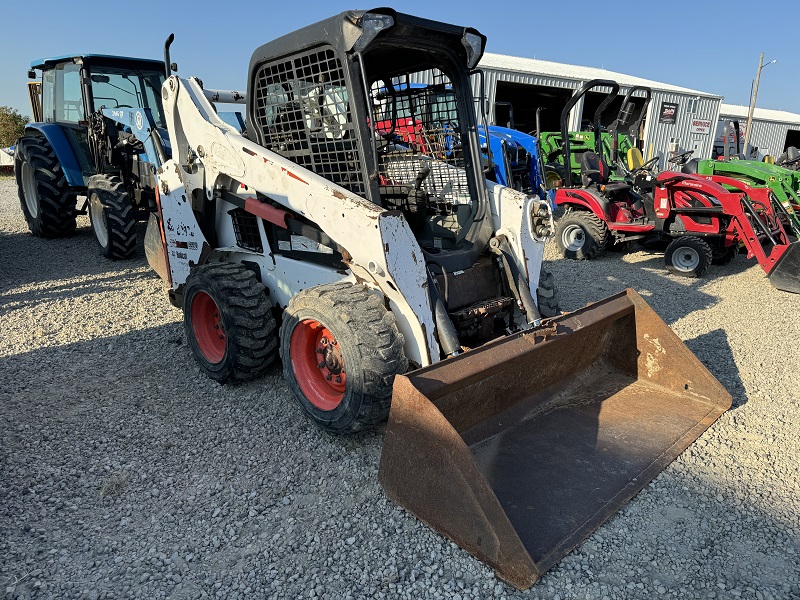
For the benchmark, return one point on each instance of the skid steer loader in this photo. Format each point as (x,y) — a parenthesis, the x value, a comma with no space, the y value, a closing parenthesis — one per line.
(391,278)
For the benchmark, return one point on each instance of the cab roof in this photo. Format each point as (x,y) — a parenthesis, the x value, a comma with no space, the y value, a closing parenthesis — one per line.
(104,59)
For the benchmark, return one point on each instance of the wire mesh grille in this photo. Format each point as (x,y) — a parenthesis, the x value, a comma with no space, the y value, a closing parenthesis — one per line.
(245,228)
(419,128)
(303,111)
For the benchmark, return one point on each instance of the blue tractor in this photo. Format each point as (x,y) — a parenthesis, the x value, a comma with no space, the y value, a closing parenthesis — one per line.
(516,160)
(86,143)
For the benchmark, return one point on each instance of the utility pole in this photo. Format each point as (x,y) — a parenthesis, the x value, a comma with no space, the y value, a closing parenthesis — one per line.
(753,96)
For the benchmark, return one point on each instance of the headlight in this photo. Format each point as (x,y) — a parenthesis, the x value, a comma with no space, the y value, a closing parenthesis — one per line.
(371,25)
(474,46)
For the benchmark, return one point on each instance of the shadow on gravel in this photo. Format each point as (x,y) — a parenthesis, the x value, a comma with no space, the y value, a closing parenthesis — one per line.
(716,354)
(55,293)
(25,259)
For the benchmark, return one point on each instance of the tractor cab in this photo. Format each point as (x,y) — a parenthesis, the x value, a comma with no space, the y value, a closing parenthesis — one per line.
(73,88)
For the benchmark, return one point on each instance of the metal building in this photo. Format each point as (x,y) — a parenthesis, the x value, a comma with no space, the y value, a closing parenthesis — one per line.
(773,131)
(677,117)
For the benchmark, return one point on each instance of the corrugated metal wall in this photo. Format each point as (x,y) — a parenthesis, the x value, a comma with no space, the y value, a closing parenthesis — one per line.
(768,136)
(659,137)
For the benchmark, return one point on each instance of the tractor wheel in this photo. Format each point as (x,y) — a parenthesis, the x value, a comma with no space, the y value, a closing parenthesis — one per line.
(341,350)
(47,201)
(688,256)
(581,235)
(547,295)
(111,213)
(722,256)
(229,323)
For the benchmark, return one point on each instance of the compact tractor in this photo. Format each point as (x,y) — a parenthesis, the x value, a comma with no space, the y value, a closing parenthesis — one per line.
(395,280)
(701,219)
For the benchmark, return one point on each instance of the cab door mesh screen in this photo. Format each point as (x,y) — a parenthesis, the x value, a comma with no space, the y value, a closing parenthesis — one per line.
(303,113)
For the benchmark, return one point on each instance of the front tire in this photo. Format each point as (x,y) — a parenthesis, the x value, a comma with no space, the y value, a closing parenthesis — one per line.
(47,201)
(341,350)
(112,215)
(688,256)
(581,235)
(547,295)
(229,323)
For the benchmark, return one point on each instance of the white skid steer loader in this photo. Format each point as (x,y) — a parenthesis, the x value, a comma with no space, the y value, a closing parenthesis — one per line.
(352,230)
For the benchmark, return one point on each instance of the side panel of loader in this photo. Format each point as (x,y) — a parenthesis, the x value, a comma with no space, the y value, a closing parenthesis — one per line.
(520,449)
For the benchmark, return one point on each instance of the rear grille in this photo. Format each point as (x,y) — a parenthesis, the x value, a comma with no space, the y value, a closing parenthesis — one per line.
(303,113)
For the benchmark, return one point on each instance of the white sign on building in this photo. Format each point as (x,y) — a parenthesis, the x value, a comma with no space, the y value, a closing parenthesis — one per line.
(702,126)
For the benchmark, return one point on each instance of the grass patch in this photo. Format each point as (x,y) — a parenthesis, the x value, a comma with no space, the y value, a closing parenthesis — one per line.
(113,486)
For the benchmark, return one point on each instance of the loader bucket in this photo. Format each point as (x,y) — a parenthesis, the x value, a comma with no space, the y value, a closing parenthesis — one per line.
(519,449)
(154,248)
(785,275)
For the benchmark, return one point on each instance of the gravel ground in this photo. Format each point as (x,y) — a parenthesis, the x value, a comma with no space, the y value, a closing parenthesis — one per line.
(127,474)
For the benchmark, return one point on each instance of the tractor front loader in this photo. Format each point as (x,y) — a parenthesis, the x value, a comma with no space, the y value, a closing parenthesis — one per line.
(389,278)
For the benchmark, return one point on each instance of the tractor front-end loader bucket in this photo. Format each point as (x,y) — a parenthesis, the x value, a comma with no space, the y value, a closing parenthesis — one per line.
(785,274)
(519,449)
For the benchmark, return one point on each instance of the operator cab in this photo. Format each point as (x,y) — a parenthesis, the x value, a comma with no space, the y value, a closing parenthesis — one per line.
(76,87)
(381,103)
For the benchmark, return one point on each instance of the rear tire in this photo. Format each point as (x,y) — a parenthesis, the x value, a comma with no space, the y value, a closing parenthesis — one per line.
(688,256)
(229,323)
(112,215)
(581,235)
(547,295)
(341,350)
(47,201)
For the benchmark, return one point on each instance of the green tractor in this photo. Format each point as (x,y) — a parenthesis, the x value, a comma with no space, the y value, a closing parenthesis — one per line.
(624,130)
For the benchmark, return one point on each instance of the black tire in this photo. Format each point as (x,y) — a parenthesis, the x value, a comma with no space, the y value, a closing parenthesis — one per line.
(47,201)
(688,256)
(581,235)
(350,388)
(723,256)
(547,295)
(113,217)
(227,297)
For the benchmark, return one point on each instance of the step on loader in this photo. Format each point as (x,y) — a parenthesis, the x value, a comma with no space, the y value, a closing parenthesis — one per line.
(386,277)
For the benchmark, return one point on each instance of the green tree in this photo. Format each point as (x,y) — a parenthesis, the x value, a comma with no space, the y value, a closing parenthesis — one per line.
(12,126)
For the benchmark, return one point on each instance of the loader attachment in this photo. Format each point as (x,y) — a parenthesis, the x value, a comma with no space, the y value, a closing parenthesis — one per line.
(519,449)
(785,275)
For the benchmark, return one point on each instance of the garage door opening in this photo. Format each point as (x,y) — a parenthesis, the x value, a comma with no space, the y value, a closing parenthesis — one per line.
(525,99)
(792,139)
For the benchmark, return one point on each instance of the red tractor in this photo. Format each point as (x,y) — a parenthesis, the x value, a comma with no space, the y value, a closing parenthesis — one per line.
(704,217)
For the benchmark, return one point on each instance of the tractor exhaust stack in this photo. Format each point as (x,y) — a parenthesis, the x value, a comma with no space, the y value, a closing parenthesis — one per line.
(520,449)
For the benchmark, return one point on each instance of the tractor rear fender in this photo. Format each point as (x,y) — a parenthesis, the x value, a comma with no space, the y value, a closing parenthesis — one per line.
(65,153)
(581,199)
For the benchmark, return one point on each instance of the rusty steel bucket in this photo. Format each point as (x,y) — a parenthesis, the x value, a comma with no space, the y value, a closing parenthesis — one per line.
(519,449)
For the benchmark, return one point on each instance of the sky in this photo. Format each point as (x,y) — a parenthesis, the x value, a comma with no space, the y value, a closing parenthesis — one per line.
(712,46)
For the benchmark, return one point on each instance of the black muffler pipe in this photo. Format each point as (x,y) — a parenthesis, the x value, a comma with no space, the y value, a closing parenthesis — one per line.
(167,63)
(445,330)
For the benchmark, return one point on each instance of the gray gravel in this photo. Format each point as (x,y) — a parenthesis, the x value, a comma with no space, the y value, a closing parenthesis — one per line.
(127,474)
